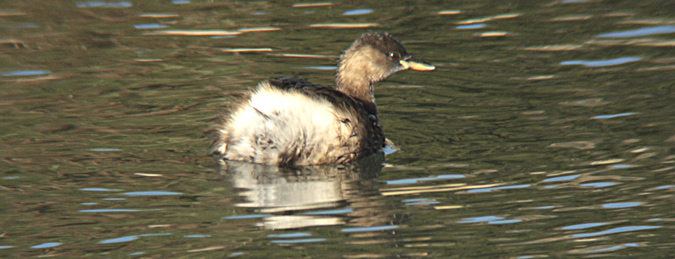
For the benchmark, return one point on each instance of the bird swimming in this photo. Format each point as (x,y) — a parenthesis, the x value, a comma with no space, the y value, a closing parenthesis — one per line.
(291,122)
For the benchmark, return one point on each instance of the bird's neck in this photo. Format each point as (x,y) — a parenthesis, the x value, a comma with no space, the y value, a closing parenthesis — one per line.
(357,86)
(355,77)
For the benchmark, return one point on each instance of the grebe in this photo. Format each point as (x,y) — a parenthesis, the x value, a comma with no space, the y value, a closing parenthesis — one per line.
(291,122)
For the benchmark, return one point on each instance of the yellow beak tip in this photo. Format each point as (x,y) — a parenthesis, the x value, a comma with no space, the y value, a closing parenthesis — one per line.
(421,67)
(415,65)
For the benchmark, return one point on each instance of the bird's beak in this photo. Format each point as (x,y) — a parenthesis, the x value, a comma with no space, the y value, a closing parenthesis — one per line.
(416,64)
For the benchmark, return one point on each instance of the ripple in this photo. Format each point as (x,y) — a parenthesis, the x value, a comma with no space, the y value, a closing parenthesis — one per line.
(621,205)
(607,161)
(19,25)
(471,26)
(654,30)
(320,4)
(99,190)
(368,229)
(601,63)
(611,116)
(194,33)
(481,219)
(490,18)
(47,245)
(544,207)
(519,186)
(416,202)
(321,67)
(603,248)
(598,184)
(664,187)
(585,226)
(593,102)
(196,236)
(330,212)
(150,26)
(424,179)
(105,149)
(152,193)
(574,144)
(490,34)
(448,207)
(258,29)
(291,235)
(358,12)
(156,234)
(298,241)
(26,73)
(343,25)
(119,240)
(562,178)
(506,221)
(248,216)
(108,210)
(449,12)
(615,231)
(159,15)
(103,4)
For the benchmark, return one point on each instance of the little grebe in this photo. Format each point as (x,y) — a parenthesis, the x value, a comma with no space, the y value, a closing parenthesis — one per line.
(288,121)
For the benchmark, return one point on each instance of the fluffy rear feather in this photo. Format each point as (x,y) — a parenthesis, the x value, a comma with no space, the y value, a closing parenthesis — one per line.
(288,121)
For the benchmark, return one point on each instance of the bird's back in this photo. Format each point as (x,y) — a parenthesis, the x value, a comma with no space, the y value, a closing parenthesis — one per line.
(289,121)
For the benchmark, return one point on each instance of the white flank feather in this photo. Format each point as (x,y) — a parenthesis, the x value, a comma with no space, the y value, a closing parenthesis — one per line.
(277,124)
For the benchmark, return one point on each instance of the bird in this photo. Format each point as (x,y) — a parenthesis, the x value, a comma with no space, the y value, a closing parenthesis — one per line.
(288,121)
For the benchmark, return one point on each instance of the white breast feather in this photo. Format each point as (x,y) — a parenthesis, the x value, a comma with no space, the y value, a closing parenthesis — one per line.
(292,122)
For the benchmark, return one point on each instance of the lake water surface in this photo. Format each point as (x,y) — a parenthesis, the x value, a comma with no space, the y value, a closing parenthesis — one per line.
(547,130)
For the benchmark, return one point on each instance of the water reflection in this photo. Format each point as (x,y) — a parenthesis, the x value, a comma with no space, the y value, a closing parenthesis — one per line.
(103,4)
(602,63)
(46,245)
(358,12)
(26,73)
(287,198)
(654,30)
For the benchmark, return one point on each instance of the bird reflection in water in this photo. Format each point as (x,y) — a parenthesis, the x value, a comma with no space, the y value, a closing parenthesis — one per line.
(297,197)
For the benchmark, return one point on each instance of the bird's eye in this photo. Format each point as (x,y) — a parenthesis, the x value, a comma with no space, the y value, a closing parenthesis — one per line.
(394,55)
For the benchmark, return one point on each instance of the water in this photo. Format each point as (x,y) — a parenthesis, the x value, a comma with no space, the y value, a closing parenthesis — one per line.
(546,131)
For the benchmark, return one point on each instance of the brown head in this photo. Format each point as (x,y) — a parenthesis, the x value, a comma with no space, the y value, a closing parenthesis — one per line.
(371,58)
